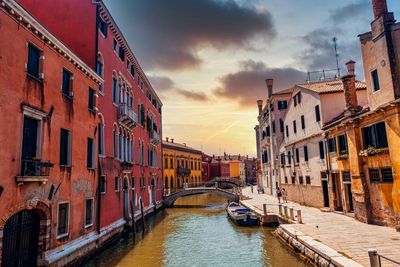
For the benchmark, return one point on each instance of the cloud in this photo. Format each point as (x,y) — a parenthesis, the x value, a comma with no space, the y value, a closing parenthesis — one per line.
(351,11)
(171,32)
(166,87)
(247,85)
(196,96)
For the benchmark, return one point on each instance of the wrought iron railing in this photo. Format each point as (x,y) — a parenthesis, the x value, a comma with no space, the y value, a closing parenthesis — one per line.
(32,167)
(155,137)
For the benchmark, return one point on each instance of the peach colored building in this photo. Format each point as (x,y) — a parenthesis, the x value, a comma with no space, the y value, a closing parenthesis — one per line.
(48,134)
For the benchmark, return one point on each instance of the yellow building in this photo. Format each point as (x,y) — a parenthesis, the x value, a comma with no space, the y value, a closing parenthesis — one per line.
(181,164)
(237,170)
(363,143)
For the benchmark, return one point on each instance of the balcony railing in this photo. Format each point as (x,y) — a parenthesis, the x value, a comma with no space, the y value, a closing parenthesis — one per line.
(154,137)
(34,171)
(183,171)
(126,115)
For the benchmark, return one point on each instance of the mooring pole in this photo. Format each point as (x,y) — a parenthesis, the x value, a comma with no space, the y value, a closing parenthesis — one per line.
(133,219)
(142,213)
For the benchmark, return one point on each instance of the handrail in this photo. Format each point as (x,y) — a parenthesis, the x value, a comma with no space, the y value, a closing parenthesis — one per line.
(375,258)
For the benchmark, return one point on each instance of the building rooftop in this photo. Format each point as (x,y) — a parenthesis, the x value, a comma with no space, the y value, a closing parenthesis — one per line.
(180,147)
(329,86)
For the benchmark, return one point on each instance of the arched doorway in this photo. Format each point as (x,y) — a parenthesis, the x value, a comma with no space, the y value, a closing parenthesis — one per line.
(21,239)
(126,199)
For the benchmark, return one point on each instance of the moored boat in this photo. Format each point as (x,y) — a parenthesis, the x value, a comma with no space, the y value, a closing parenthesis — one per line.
(242,215)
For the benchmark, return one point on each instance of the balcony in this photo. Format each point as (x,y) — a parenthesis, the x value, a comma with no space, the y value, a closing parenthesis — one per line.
(183,171)
(154,137)
(34,171)
(127,116)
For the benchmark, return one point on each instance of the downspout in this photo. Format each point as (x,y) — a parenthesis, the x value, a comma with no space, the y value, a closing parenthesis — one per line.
(328,163)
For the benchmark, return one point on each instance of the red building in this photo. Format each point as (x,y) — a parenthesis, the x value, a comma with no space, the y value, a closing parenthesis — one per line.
(48,133)
(219,168)
(206,167)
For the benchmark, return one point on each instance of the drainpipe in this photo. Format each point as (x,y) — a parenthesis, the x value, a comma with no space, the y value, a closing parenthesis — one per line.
(328,163)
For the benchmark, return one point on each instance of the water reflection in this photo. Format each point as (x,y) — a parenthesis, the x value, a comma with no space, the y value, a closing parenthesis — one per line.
(197,233)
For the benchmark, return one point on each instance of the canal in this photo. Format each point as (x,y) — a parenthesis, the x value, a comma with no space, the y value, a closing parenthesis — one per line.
(197,232)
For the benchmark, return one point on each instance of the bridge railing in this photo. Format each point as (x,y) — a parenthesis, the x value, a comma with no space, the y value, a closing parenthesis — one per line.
(209,184)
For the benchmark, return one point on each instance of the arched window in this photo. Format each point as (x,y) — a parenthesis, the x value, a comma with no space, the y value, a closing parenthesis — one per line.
(101,135)
(100,69)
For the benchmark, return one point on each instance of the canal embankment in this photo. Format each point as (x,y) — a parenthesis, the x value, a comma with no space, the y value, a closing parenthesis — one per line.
(327,238)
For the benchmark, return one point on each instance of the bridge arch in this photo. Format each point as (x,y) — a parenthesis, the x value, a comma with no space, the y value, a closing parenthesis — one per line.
(170,199)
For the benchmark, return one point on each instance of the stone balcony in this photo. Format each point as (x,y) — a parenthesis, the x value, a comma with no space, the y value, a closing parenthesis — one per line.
(154,137)
(127,116)
(34,170)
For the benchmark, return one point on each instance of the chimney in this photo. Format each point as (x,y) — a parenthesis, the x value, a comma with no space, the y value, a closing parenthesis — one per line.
(269,83)
(379,7)
(167,139)
(260,106)
(172,140)
(349,87)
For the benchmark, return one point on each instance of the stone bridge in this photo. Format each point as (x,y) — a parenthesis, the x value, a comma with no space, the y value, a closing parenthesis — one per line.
(170,199)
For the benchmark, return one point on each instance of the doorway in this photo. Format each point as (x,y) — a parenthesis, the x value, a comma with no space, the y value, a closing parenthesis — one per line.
(126,200)
(337,190)
(21,240)
(325,191)
(349,197)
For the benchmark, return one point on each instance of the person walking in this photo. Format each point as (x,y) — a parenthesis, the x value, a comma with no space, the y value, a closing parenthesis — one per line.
(251,189)
(284,195)
(279,194)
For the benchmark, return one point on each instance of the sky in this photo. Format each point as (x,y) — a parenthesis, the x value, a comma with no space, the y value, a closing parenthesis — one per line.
(208,59)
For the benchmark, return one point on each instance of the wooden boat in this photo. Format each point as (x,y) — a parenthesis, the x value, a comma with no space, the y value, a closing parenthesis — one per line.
(242,215)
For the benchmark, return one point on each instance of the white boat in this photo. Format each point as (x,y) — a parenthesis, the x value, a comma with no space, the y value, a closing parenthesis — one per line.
(242,215)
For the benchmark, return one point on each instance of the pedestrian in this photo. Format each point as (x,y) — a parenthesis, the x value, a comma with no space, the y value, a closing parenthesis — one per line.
(279,194)
(251,189)
(284,195)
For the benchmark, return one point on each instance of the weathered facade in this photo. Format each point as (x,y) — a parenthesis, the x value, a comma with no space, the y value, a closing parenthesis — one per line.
(366,167)
(129,109)
(48,133)
(181,165)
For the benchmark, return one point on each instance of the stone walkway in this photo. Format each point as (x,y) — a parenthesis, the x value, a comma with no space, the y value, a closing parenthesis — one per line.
(344,234)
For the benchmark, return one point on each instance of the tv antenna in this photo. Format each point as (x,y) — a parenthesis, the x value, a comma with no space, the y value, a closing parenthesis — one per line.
(334,39)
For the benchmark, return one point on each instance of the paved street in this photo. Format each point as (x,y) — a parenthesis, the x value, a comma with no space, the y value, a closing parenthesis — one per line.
(344,234)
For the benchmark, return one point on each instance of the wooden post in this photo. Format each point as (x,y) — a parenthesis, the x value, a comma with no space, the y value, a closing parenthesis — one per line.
(373,258)
(291,212)
(299,218)
(280,209)
(285,211)
(141,211)
(265,209)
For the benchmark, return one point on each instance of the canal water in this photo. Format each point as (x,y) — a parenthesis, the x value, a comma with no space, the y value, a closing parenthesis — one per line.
(197,232)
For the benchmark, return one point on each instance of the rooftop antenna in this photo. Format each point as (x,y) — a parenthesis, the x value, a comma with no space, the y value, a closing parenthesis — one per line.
(334,39)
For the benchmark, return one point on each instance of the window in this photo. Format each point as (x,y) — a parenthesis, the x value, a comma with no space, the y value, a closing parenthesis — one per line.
(99,66)
(103,184)
(289,157)
(295,100)
(281,125)
(321,150)
(101,139)
(332,145)
(121,53)
(306,154)
(132,70)
(308,179)
(297,155)
(133,183)
(293,178)
(342,143)
(171,163)
(375,136)
(90,153)
(114,90)
(63,219)
(286,180)
(273,127)
(33,61)
(301,180)
(375,80)
(115,45)
(294,127)
(282,105)
(66,83)
(299,97)
(268,131)
(92,94)
(317,114)
(303,122)
(65,147)
(102,26)
(387,175)
(374,175)
(89,212)
(287,131)
(346,176)
(282,159)
(116,183)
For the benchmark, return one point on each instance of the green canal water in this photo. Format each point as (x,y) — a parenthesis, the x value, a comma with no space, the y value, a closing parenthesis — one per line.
(197,232)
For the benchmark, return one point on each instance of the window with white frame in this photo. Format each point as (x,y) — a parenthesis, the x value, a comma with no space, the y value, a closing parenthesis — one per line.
(116,183)
(63,219)
(89,212)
